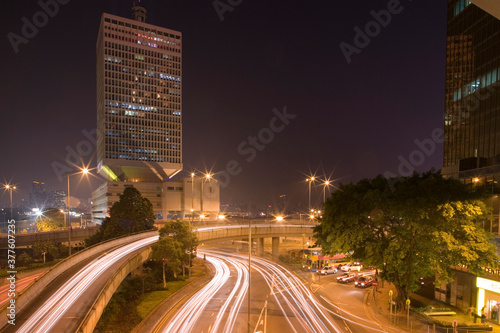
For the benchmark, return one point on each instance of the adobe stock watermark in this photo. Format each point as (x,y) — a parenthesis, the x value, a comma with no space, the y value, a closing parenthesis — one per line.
(425,148)
(249,148)
(30,28)
(74,156)
(372,29)
(223,6)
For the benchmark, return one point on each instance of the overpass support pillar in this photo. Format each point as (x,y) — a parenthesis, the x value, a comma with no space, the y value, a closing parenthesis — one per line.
(260,246)
(276,247)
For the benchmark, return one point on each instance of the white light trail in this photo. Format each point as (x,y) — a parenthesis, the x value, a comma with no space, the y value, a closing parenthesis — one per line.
(44,319)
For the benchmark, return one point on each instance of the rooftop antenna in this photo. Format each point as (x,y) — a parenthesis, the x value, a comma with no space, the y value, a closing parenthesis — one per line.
(139,13)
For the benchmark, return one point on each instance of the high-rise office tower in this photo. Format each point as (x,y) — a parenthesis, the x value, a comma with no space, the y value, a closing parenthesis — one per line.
(139,91)
(139,107)
(139,118)
(472,94)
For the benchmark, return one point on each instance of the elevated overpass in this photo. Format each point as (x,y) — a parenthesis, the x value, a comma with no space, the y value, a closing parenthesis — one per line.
(258,233)
(97,297)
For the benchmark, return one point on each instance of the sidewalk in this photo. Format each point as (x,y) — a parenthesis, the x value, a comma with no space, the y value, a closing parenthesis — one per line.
(379,302)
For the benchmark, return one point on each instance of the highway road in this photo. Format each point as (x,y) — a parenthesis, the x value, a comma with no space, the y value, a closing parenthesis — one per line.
(20,285)
(65,302)
(279,301)
(348,304)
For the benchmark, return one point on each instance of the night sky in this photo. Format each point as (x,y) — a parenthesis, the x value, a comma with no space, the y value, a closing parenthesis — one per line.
(352,120)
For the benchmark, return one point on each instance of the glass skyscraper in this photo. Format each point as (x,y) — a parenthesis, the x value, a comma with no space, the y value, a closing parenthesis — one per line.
(472,95)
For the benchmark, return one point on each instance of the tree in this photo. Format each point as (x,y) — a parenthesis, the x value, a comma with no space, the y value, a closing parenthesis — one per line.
(51,219)
(181,232)
(24,259)
(414,227)
(168,251)
(43,248)
(132,213)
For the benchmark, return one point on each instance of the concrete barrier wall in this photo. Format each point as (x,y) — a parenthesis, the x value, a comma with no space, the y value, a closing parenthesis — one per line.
(212,235)
(92,318)
(27,295)
(58,236)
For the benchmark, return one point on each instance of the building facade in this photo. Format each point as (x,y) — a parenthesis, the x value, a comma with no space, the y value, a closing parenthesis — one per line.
(139,116)
(139,93)
(40,198)
(472,99)
(189,198)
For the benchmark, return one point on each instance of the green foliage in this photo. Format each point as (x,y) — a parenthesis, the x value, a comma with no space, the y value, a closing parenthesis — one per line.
(168,251)
(129,306)
(150,301)
(24,260)
(51,219)
(181,232)
(41,249)
(420,226)
(132,213)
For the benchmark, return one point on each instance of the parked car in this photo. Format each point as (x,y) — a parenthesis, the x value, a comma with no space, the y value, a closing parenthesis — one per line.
(363,282)
(347,277)
(356,266)
(328,270)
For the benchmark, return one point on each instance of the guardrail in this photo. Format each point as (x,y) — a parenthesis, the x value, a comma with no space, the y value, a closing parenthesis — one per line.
(36,287)
(92,318)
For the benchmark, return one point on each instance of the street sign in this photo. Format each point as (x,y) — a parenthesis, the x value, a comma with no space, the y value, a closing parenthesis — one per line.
(408,301)
(390,292)
(375,283)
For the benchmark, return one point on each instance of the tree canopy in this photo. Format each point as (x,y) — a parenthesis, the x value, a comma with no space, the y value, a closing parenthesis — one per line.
(42,248)
(409,227)
(168,251)
(132,213)
(181,232)
(51,219)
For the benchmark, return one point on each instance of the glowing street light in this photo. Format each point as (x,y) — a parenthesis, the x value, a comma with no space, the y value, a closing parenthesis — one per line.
(10,188)
(279,218)
(192,217)
(221,217)
(83,171)
(310,180)
(208,176)
(326,184)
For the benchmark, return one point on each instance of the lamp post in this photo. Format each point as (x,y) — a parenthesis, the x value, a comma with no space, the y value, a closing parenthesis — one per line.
(249,266)
(207,176)
(310,180)
(192,216)
(325,185)
(192,195)
(82,171)
(10,188)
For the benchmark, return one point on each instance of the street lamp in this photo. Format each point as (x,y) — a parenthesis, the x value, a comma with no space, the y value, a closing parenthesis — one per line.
(326,184)
(83,172)
(249,266)
(207,177)
(10,188)
(310,180)
(192,195)
(279,218)
(192,217)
